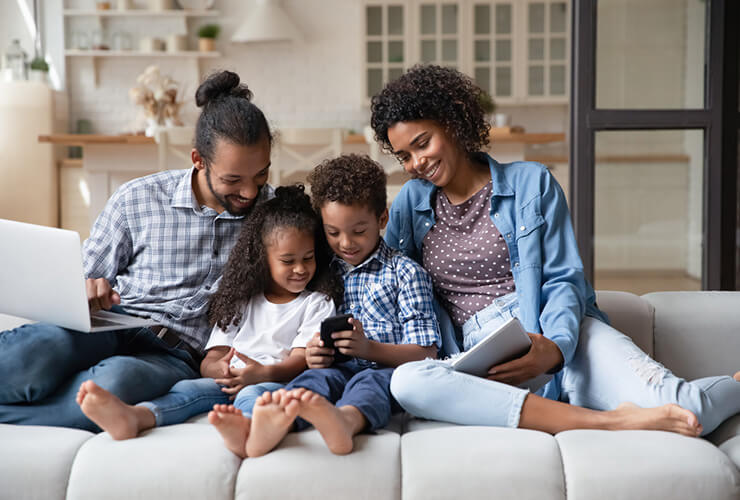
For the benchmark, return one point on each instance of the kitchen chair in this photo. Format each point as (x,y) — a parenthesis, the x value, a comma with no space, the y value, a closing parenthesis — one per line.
(177,141)
(299,150)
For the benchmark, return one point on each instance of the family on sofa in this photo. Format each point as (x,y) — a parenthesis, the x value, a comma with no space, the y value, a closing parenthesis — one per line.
(239,277)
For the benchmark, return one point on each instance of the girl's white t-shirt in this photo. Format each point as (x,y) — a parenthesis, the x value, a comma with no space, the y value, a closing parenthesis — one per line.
(269,331)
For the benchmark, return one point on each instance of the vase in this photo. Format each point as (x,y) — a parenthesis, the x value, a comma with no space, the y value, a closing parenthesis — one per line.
(152,127)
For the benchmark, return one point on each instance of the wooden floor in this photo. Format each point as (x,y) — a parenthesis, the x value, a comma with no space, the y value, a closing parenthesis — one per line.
(641,282)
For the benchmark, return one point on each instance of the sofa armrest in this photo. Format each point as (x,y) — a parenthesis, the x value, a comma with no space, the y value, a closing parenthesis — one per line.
(630,314)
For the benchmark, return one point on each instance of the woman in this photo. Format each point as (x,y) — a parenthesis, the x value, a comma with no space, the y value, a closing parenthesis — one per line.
(498,242)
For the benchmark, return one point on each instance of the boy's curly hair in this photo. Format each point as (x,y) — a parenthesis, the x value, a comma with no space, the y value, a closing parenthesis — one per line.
(246,273)
(349,179)
(429,92)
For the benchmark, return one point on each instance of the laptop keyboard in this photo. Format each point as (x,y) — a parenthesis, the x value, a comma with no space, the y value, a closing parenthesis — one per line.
(95,321)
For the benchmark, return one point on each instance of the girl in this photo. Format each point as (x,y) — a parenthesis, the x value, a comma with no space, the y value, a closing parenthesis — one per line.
(498,242)
(275,291)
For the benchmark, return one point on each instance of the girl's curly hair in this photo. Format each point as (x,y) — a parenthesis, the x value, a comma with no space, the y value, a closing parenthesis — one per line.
(349,179)
(429,92)
(246,273)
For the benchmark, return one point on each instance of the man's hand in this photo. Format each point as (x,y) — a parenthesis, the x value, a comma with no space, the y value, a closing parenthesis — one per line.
(100,295)
(216,365)
(239,378)
(318,356)
(543,355)
(353,342)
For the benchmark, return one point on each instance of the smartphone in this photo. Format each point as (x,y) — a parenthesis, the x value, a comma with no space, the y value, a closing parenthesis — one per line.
(331,325)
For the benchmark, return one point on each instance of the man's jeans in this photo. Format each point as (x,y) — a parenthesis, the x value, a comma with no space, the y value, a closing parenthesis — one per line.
(42,367)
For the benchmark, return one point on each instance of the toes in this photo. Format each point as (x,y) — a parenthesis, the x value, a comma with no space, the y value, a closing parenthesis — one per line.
(213,417)
(291,409)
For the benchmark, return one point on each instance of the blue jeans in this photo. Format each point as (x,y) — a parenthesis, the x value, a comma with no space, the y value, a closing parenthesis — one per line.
(188,398)
(351,384)
(607,369)
(42,367)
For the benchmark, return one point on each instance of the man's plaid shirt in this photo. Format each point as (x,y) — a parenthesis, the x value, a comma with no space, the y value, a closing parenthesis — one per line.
(162,252)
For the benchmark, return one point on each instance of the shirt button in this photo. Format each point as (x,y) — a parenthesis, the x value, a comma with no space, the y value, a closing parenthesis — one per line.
(508,236)
(516,264)
(496,215)
(426,224)
(352,306)
(208,287)
(522,228)
(401,240)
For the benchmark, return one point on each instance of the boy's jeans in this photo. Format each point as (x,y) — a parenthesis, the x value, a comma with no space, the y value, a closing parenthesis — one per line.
(607,369)
(188,398)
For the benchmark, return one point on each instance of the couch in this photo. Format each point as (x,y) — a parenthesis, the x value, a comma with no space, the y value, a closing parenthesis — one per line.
(694,333)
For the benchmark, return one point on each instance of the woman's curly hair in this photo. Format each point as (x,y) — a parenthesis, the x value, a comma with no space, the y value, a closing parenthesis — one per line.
(349,179)
(429,92)
(246,273)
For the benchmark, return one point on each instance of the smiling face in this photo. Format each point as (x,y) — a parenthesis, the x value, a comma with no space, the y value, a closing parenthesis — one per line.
(353,231)
(291,261)
(426,150)
(232,181)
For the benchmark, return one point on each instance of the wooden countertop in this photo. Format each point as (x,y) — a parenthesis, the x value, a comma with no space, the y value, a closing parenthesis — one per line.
(499,134)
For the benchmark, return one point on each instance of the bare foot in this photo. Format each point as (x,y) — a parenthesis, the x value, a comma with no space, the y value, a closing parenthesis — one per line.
(336,425)
(272,417)
(233,427)
(668,417)
(736,376)
(118,419)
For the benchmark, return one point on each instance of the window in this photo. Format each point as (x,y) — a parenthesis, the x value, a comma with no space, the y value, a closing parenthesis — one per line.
(385,45)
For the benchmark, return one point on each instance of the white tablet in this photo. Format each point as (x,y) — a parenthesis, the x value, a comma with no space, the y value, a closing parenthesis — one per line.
(508,342)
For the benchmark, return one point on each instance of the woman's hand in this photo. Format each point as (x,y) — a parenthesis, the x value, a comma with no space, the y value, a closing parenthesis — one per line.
(543,356)
(353,342)
(318,356)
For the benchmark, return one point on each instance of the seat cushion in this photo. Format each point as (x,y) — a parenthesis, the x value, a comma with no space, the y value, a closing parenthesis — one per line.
(645,464)
(303,467)
(447,461)
(186,461)
(35,461)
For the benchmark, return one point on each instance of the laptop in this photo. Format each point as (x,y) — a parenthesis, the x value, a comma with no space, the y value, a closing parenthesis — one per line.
(42,279)
(507,342)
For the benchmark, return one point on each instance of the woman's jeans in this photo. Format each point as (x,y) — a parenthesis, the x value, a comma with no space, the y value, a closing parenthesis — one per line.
(607,369)
(188,398)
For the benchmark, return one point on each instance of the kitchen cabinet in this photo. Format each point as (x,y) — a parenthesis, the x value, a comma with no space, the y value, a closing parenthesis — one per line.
(518,51)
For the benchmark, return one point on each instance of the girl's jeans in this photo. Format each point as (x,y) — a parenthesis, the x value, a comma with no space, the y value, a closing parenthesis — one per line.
(607,369)
(188,398)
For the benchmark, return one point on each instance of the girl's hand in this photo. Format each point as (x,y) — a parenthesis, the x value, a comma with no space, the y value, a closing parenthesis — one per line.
(543,356)
(353,342)
(318,356)
(239,378)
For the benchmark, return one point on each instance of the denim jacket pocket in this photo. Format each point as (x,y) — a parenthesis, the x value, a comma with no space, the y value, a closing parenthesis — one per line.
(529,224)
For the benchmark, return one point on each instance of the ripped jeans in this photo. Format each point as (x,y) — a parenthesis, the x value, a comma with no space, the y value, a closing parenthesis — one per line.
(607,369)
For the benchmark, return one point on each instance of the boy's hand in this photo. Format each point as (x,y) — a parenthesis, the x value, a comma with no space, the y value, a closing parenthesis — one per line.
(543,356)
(318,356)
(353,342)
(100,295)
(239,378)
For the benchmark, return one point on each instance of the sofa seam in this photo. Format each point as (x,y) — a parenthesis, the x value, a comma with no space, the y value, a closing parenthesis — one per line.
(562,467)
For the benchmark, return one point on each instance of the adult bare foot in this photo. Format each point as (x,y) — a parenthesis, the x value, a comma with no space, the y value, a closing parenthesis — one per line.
(233,427)
(118,419)
(272,417)
(668,417)
(336,425)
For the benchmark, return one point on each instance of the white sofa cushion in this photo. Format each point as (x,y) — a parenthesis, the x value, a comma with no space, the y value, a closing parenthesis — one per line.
(631,315)
(645,464)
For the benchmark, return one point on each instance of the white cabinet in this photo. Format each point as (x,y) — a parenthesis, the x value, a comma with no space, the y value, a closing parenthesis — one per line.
(517,50)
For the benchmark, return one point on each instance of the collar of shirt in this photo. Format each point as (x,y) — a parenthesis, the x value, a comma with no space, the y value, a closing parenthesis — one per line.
(381,255)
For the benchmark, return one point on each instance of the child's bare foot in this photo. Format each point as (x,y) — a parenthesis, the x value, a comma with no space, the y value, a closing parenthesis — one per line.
(233,427)
(118,419)
(736,376)
(668,417)
(272,417)
(336,425)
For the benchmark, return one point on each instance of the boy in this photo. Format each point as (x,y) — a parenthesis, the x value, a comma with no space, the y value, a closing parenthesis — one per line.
(390,299)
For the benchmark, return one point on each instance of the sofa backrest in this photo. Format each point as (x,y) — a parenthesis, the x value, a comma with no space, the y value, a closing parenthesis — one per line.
(630,314)
(697,334)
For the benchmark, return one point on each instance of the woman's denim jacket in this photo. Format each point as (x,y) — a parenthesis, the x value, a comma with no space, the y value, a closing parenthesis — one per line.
(529,209)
